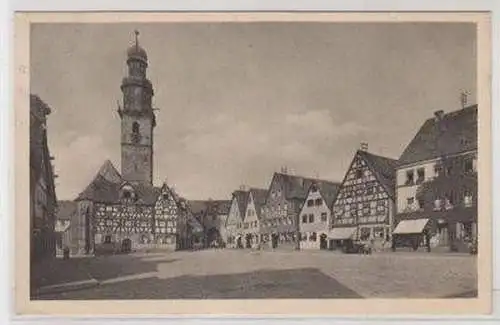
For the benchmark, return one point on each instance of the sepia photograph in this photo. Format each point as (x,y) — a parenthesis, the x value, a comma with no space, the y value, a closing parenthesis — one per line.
(254,159)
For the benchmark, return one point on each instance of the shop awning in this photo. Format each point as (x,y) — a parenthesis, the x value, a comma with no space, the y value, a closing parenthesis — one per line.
(341,233)
(415,226)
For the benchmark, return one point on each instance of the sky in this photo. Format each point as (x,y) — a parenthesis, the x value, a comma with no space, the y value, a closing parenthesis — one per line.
(238,101)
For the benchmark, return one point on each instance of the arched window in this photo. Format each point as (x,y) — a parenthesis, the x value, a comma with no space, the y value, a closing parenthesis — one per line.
(135,127)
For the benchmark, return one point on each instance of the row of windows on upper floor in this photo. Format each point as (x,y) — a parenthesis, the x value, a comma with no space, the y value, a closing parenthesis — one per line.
(313,202)
(415,177)
(246,225)
(447,203)
(309,218)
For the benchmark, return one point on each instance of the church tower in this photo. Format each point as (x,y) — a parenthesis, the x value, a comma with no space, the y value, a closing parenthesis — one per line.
(137,118)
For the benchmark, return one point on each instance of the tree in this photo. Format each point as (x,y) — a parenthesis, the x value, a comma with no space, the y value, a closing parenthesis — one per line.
(455,179)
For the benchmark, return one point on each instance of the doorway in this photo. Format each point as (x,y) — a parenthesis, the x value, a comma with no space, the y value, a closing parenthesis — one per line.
(126,245)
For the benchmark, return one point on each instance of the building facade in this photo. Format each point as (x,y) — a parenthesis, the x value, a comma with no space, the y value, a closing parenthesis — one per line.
(233,225)
(315,215)
(125,211)
(251,221)
(212,216)
(365,205)
(280,214)
(437,183)
(43,200)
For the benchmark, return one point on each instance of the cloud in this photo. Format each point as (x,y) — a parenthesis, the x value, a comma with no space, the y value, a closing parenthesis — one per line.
(79,162)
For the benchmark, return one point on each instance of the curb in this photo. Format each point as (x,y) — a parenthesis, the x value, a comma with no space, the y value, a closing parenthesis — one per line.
(64,287)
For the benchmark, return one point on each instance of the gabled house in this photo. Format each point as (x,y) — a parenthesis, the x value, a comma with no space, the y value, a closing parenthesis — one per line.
(280,217)
(437,183)
(251,221)
(364,207)
(315,215)
(170,220)
(234,222)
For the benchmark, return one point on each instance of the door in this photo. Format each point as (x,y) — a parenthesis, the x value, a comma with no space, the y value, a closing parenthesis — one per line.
(126,245)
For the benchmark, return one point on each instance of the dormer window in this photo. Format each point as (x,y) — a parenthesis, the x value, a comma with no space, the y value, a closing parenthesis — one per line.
(127,194)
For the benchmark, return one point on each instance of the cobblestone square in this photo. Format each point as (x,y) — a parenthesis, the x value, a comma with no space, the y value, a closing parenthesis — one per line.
(239,274)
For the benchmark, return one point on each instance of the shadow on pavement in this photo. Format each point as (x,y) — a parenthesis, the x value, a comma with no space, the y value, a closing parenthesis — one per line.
(59,272)
(307,283)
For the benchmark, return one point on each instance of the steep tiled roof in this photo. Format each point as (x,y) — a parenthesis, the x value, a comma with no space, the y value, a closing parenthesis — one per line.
(259,197)
(105,188)
(384,169)
(328,190)
(454,133)
(66,209)
(297,187)
(242,200)
(197,207)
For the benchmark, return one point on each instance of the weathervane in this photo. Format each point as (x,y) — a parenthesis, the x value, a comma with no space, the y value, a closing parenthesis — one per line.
(464,98)
(136,32)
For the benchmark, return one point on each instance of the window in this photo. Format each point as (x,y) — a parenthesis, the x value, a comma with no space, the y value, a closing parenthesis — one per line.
(437,204)
(318,201)
(312,237)
(311,218)
(369,190)
(135,127)
(304,218)
(421,204)
(420,175)
(310,203)
(359,173)
(468,199)
(126,195)
(107,239)
(410,201)
(437,170)
(468,166)
(323,216)
(409,177)
(365,234)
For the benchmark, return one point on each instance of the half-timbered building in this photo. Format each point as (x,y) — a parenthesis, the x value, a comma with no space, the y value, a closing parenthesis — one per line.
(125,211)
(364,207)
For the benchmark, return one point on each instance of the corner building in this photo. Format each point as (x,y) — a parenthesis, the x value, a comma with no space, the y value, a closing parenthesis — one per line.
(125,211)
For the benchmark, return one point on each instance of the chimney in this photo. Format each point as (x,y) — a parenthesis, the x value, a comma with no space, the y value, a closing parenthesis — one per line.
(364,146)
(243,187)
(284,170)
(439,115)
